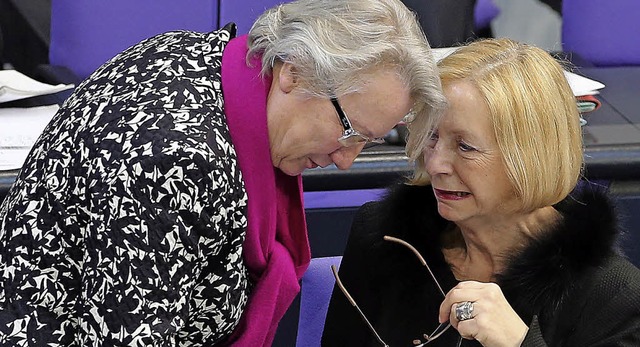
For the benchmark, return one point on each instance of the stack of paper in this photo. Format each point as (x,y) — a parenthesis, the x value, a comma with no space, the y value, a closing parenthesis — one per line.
(585,90)
(19,130)
(582,85)
(21,127)
(14,85)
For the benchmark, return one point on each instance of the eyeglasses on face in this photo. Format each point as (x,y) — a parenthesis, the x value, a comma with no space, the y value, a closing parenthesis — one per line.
(437,332)
(351,137)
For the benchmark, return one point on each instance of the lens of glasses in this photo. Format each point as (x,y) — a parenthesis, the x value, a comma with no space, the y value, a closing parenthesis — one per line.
(356,139)
(352,140)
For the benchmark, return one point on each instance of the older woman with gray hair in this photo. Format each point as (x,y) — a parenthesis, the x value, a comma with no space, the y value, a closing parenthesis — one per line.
(162,206)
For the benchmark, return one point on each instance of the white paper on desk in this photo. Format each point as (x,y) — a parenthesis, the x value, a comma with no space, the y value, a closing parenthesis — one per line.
(440,53)
(19,130)
(580,85)
(14,85)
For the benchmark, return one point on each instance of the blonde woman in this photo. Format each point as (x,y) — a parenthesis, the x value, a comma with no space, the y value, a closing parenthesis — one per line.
(493,241)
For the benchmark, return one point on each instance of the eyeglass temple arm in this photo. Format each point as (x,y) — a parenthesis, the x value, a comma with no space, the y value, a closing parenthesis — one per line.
(353,303)
(346,124)
(415,251)
(433,335)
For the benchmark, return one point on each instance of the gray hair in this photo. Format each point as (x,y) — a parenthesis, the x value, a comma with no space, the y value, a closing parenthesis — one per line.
(333,44)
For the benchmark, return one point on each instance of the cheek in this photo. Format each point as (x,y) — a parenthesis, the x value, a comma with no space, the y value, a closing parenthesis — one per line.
(323,134)
(427,158)
(499,185)
(322,145)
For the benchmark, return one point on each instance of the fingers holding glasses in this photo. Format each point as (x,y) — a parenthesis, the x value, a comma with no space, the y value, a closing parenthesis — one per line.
(480,311)
(464,292)
(462,318)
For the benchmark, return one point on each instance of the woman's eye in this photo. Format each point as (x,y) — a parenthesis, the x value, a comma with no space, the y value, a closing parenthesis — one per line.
(465,147)
(433,138)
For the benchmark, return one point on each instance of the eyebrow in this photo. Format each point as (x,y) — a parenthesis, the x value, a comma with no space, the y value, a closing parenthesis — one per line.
(364,130)
(465,134)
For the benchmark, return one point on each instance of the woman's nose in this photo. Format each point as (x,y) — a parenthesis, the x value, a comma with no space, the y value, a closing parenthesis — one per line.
(343,158)
(437,161)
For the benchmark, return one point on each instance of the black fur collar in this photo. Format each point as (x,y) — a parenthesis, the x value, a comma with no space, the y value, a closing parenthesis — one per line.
(539,277)
(550,266)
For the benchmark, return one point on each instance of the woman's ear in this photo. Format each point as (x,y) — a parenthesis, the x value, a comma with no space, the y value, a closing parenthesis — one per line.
(287,77)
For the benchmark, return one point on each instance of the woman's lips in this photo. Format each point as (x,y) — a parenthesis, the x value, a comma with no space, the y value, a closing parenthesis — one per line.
(450,194)
(312,164)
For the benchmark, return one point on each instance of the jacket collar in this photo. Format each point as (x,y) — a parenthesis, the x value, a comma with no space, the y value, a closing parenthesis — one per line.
(542,273)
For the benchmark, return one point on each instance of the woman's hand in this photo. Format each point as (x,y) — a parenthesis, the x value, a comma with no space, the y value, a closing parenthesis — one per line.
(494,322)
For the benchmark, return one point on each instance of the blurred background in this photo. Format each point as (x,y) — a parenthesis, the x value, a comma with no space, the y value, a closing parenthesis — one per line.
(25,25)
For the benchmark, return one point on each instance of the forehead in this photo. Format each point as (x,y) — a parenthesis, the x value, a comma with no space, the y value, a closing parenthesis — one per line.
(382,102)
(385,87)
(467,112)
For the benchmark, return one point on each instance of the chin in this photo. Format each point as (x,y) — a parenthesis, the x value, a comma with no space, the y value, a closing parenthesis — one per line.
(448,214)
(291,171)
(289,167)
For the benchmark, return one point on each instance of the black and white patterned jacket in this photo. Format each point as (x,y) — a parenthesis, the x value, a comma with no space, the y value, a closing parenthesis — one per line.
(125,226)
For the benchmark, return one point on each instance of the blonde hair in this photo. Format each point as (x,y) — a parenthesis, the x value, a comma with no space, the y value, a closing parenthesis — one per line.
(334,44)
(533,111)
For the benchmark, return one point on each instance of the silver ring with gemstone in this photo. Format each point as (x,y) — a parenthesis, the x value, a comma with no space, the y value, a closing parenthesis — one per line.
(464,311)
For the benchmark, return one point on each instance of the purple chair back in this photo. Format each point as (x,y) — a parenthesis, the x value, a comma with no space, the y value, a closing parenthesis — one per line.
(315,294)
(484,12)
(244,12)
(85,34)
(603,32)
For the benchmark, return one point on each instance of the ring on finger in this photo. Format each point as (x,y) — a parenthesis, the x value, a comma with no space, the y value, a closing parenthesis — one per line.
(464,311)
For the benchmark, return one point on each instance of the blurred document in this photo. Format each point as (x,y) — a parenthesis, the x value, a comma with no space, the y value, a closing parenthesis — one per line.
(19,130)
(441,53)
(582,85)
(15,85)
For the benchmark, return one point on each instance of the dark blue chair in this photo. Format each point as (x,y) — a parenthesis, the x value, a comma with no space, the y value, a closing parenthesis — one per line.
(244,12)
(602,32)
(484,13)
(317,285)
(85,34)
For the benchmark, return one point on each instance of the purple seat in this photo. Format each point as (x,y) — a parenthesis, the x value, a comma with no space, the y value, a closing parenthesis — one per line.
(484,12)
(244,12)
(85,34)
(603,32)
(317,286)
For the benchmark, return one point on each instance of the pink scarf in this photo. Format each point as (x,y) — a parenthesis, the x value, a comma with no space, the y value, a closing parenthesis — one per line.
(276,248)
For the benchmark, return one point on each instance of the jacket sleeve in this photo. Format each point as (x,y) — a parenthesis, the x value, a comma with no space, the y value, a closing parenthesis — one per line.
(605,312)
(611,316)
(534,335)
(174,230)
(343,325)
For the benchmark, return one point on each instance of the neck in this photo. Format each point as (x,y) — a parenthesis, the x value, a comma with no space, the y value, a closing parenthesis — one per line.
(482,250)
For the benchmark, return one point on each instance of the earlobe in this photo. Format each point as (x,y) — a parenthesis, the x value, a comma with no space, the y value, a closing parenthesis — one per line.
(287,77)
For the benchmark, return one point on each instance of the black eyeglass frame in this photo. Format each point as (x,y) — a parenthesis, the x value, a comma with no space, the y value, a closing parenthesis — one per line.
(429,338)
(350,136)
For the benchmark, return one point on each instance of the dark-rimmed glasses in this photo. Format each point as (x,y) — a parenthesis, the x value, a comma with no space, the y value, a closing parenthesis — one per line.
(351,137)
(428,338)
